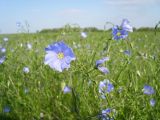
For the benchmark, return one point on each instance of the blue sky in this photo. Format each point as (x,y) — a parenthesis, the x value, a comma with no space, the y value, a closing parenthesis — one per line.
(56,13)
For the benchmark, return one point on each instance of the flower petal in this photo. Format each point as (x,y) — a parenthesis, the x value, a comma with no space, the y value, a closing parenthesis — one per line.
(101,61)
(103,69)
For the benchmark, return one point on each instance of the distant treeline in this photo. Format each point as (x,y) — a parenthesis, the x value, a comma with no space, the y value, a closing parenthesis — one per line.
(89,29)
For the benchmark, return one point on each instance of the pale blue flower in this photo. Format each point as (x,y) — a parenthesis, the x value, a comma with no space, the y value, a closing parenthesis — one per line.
(83,34)
(66,90)
(105,114)
(106,111)
(26,69)
(119,33)
(101,61)
(126,26)
(105,86)
(127,52)
(18,24)
(59,56)
(6,109)
(101,68)
(2,59)
(5,39)
(110,87)
(29,46)
(148,90)
(152,102)
(3,50)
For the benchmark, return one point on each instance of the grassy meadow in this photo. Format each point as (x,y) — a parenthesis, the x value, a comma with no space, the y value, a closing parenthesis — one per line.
(38,94)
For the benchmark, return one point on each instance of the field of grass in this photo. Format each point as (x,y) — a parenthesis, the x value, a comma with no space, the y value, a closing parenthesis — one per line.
(39,95)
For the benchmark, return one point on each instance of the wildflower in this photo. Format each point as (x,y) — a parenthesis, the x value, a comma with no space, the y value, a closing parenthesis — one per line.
(2,59)
(148,90)
(29,46)
(18,24)
(125,26)
(26,70)
(121,32)
(152,102)
(59,56)
(6,109)
(106,111)
(3,50)
(5,39)
(101,68)
(66,89)
(83,34)
(127,52)
(110,87)
(105,114)
(105,87)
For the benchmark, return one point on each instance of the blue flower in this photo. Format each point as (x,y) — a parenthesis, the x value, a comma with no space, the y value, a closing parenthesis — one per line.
(66,89)
(29,46)
(106,111)
(5,39)
(59,56)
(119,33)
(18,24)
(126,26)
(110,87)
(101,68)
(83,34)
(105,86)
(2,59)
(26,69)
(148,90)
(105,114)
(152,102)
(3,50)
(6,109)
(127,52)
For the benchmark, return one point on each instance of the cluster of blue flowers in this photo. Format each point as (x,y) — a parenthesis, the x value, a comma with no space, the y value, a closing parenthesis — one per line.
(148,90)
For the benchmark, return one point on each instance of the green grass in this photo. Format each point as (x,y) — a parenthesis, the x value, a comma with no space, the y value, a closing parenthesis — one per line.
(45,85)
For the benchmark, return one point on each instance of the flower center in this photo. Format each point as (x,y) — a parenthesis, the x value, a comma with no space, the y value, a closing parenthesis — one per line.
(118,34)
(60,55)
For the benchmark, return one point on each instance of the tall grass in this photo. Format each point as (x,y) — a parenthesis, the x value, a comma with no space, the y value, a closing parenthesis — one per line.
(39,94)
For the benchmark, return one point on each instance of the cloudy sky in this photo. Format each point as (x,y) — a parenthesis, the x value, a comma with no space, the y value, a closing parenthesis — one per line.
(56,13)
